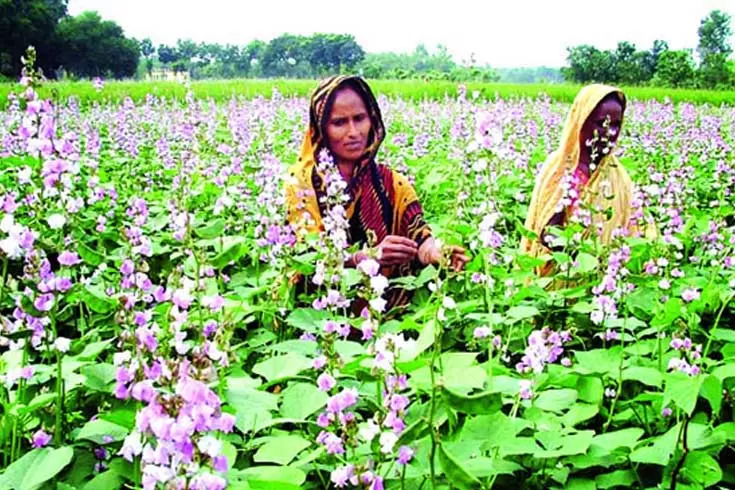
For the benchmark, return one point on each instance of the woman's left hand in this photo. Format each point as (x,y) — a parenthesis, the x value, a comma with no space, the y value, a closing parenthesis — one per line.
(431,253)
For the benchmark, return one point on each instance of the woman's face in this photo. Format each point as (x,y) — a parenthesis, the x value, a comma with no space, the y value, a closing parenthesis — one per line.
(603,124)
(348,126)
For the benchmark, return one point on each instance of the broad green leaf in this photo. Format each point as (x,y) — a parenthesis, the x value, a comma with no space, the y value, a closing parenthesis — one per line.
(276,477)
(518,313)
(556,400)
(610,441)
(479,404)
(101,431)
(580,412)
(580,484)
(683,390)
(92,350)
(212,230)
(620,478)
(456,472)
(111,480)
(585,263)
(284,366)
(519,445)
(483,467)
(569,445)
(229,255)
(603,361)
(646,375)
(35,468)
(300,400)
(724,372)
(711,390)
(306,319)
(701,468)
(96,300)
(281,450)
(590,389)
(39,401)
(98,376)
(90,256)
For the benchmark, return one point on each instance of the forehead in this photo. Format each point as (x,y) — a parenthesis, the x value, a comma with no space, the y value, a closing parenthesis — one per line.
(347,101)
(610,106)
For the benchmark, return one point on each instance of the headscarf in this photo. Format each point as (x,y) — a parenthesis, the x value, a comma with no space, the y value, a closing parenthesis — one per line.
(386,202)
(609,185)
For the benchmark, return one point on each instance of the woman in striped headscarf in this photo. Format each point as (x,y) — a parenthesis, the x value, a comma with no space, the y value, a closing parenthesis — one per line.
(583,173)
(345,119)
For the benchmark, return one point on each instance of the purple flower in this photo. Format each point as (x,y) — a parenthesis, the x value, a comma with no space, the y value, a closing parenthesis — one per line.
(127,267)
(325,382)
(69,258)
(344,475)
(666,412)
(690,294)
(526,392)
(405,454)
(40,439)
(44,302)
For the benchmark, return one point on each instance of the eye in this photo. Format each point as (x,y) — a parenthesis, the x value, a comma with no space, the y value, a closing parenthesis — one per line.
(360,117)
(339,122)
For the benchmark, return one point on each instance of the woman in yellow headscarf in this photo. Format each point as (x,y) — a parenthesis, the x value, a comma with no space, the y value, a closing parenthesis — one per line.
(583,171)
(345,120)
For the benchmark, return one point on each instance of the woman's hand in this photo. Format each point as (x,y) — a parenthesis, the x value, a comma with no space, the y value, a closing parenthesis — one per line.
(431,253)
(396,250)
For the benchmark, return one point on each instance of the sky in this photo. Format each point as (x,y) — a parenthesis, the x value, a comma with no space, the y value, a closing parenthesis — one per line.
(503,33)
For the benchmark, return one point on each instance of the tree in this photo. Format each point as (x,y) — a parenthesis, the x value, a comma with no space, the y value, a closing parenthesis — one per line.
(29,22)
(147,50)
(589,64)
(167,54)
(714,48)
(93,47)
(675,69)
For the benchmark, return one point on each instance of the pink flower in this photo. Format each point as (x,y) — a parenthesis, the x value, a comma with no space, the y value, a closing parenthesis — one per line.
(405,454)
(40,439)
(482,332)
(325,382)
(666,412)
(525,392)
(69,258)
(690,294)
(44,302)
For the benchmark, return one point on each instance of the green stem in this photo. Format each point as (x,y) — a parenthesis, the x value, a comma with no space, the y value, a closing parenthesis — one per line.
(58,430)
(4,280)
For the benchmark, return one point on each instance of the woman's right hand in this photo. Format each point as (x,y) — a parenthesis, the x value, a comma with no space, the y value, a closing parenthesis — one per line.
(396,250)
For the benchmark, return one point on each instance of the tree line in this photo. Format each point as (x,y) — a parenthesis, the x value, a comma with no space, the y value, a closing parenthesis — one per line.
(660,66)
(86,46)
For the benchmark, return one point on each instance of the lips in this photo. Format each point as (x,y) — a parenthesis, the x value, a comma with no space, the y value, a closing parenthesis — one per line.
(357,145)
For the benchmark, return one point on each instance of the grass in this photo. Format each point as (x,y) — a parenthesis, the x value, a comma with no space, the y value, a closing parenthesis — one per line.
(221,90)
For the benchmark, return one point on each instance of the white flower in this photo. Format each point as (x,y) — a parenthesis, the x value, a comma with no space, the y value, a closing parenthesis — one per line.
(369,431)
(378,304)
(378,283)
(7,223)
(62,344)
(449,303)
(210,446)
(56,221)
(387,441)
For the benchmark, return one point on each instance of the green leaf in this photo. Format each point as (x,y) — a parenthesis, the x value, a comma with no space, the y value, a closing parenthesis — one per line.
(590,389)
(456,472)
(610,441)
(299,400)
(212,230)
(711,390)
(109,480)
(98,376)
(724,372)
(35,468)
(602,361)
(92,350)
(568,445)
(306,319)
(275,477)
(285,366)
(518,313)
(699,467)
(620,478)
(585,263)
(39,401)
(479,404)
(281,450)
(580,484)
(99,431)
(90,256)
(519,445)
(96,300)
(646,375)
(231,254)
(580,412)
(483,467)
(556,400)
(682,390)
(253,407)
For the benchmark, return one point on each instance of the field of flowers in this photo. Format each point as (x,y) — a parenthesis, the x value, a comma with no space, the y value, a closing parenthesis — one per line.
(155,332)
